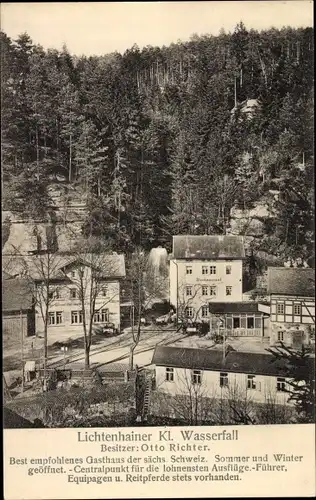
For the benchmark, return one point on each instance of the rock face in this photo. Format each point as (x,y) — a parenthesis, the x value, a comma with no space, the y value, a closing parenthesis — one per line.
(30,236)
(251,225)
(64,224)
(250,222)
(247,109)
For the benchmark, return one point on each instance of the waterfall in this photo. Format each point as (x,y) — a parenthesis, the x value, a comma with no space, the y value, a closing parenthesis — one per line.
(158,258)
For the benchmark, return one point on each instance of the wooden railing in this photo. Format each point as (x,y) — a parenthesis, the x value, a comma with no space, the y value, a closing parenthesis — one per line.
(242,332)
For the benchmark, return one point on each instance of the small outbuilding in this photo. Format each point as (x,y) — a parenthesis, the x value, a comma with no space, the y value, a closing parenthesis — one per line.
(17,308)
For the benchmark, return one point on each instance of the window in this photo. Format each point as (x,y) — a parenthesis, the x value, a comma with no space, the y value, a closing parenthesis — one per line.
(59,318)
(73,293)
(101,316)
(228,269)
(236,322)
(189,290)
(212,269)
(223,379)
(280,387)
(213,290)
(189,312)
(54,294)
(251,382)
(250,322)
(280,336)
(189,269)
(51,319)
(204,290)
(76,317)
(258,322)
(196,377)
(229,322)
(73,274)
(280,308)
(104,291)
(204,270)
(55,318)
(204,311)
(169,374)
(229,290)
(297,309)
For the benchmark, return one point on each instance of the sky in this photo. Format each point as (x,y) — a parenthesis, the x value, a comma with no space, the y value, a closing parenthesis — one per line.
(92,28)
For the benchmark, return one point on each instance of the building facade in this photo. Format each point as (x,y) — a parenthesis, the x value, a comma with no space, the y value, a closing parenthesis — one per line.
(204,269)
(292,305)
(239,319)
(76,289)
(255,376)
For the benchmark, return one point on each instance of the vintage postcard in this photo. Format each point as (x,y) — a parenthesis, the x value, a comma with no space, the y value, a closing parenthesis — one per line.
(158,265)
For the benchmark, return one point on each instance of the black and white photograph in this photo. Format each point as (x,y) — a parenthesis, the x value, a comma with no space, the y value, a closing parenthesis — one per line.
(158,264)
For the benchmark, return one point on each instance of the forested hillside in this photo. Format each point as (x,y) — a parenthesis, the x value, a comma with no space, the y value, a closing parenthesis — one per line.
(165,140)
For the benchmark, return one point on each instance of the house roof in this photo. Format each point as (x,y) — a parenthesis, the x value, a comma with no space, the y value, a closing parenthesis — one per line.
(298,281)
(16,295)
(208,247)
(37,266)
(233,307)
(212,360)
(111,265)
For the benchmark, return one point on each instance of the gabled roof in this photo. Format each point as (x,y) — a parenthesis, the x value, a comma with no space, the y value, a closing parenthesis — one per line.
(38,266)
(16,295)
(208,247)
(111,265)
(297,281)
(233,307)
(212,360)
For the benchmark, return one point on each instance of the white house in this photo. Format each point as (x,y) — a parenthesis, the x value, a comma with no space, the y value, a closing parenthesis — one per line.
(74,287)
(292,304)
(203,269)
(260,376)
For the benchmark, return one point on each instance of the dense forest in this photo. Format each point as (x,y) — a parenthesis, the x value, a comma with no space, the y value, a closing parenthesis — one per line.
(159,141)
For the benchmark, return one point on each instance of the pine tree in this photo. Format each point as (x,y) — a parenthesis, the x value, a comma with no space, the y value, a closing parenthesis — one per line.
(301,369)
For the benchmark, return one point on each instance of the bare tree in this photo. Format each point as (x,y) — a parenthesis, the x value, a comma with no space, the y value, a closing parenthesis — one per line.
(240,404)
(185,301)
(274,412)
(40,270)
(146,286)
(96,265)
(190,399)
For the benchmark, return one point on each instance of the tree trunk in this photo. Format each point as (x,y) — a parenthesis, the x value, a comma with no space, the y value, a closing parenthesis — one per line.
(57,140)
(131,356)
(70,157)
(86,356)
(135,342)
(45,349)
(37,153)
